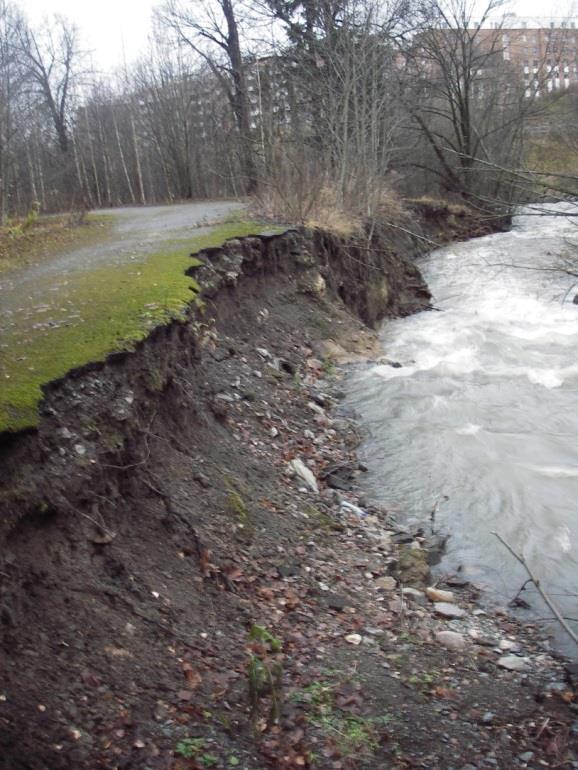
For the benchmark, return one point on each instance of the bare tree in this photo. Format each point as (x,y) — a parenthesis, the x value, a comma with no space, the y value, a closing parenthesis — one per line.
(11,107)
(51,59)
(470,108)
(212,31)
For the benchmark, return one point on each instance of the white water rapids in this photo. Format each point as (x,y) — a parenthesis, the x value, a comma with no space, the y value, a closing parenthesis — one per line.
(484,409)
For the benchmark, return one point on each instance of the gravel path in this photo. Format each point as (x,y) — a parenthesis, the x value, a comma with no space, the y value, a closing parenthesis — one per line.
(135,233)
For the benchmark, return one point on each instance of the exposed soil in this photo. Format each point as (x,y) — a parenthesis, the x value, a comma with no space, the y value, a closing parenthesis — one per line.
(174,595)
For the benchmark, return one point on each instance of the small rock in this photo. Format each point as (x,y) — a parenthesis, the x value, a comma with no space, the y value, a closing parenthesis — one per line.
(355,639)
(386,583)
(312,282)
(488,718)
(508,646)
(350,508)
(299,467)
(447,610)
(289,570)
(457,582)
(412,566)
(437,595)
(336,602)
(413,595)
(514,663)
(451,640)
(483,641)
(202,479)
(527,756)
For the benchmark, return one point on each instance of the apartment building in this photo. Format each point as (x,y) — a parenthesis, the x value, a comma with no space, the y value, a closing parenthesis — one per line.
(541,52)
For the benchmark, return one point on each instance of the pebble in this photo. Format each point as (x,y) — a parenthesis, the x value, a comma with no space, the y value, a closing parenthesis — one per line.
(451,640)
(413,595)
(353,639)
(349,507)
(447,610)
(508,646)
(514,663)
(526,756)
(298,466)
(437,595)
(386,583)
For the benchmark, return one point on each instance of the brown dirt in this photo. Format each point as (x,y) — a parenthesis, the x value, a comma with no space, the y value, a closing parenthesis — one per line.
(152,523)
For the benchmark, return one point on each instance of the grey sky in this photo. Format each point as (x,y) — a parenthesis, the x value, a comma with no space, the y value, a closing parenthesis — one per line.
(106,24)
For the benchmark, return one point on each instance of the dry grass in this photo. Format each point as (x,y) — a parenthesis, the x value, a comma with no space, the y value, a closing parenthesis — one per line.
(324,205)
(439,204)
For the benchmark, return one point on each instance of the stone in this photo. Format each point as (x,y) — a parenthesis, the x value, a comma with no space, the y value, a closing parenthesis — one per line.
(488,718)
(447,610)
(483,641)
(313,283)
(386,583)
(457,582)
(412,567)
(306,475)
(437,595)
(526,757)
(291,569)
(336,602)
(413,595)
(451,640)
(202,479)
(506,645)
(572,674)
(339,477)
(355,639)
(350,508)
(514,663)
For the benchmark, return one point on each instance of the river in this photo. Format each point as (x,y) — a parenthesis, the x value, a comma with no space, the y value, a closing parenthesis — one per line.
(484,410)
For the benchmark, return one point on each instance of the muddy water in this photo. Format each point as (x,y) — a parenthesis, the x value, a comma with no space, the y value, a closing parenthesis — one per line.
(484,409)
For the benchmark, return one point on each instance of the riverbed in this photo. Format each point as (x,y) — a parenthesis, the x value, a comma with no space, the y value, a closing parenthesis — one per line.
(478,403)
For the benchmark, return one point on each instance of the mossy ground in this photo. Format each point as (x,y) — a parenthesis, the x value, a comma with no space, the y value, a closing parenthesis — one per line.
(89,314)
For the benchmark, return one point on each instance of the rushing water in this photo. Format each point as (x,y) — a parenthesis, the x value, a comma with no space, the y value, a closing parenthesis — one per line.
(484,409)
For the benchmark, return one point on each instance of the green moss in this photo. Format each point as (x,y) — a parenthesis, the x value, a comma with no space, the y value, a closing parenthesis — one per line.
(91,313)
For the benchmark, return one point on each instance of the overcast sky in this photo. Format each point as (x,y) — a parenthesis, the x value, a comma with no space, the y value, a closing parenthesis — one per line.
(108,25)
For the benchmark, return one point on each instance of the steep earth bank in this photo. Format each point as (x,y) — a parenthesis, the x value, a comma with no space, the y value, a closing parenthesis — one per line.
(189,578)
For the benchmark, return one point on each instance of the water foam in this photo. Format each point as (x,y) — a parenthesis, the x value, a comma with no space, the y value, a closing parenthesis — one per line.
(485,406)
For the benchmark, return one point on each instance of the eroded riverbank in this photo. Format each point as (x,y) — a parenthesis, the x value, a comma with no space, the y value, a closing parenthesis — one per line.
(198,580)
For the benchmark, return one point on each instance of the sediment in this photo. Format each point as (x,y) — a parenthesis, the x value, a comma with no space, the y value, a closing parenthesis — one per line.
(178,497)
